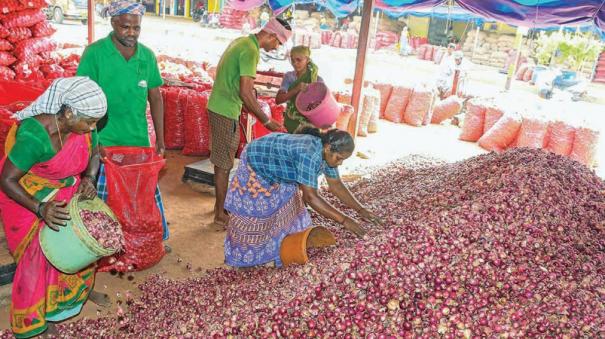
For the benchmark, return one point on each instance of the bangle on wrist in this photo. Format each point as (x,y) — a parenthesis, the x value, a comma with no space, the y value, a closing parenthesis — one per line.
(39,209)
(267,122)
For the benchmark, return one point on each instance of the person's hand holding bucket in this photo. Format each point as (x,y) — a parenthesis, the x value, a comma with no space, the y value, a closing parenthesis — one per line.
(54,213)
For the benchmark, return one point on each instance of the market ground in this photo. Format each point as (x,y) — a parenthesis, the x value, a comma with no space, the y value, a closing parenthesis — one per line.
(193,238)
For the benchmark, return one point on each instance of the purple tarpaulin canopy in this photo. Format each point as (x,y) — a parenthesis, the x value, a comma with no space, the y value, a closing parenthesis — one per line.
(529,13)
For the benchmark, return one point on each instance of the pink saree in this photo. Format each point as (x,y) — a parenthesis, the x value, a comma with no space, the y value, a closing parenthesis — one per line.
(40,292)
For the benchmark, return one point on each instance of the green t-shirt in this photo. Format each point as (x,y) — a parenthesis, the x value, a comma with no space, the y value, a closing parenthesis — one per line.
(240,59)
(33,145)
(126,85)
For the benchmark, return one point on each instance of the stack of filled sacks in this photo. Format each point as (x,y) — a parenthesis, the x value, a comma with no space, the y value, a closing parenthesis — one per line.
(25,44)
(311,39)
(410,105)
(369,112)
(497,126)
(232,18)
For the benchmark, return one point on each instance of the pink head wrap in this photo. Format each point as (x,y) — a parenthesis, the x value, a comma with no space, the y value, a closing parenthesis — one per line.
(274,27)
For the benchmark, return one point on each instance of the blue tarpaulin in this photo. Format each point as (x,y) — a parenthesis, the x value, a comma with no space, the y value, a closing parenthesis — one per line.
(442,12)
(528,13)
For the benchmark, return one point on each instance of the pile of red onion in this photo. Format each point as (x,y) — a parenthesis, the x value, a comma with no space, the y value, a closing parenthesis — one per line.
(101,226)
(501,245)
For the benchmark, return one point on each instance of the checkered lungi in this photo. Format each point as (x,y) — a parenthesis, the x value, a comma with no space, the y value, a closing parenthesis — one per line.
(224,140)
(102,193)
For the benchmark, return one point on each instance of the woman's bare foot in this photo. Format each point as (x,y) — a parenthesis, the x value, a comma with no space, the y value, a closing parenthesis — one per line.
(101,299)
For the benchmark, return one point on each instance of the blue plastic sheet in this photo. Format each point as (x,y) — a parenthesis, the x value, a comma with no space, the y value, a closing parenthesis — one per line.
(528,13)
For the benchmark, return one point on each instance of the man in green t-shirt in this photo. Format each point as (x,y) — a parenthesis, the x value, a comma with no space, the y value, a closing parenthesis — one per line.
(234,87)
(128,73)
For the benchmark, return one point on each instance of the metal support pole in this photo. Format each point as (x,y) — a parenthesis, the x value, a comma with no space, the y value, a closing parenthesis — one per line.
(91,22)
(360,64)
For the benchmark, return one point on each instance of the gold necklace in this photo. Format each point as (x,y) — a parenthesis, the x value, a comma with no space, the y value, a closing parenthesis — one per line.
(59,130)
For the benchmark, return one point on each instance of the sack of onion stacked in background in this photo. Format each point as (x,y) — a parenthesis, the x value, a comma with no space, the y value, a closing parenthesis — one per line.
(383,39)
(369,111)
(415,106)
(431,53)
(232,18)
(185,95)
(497,127)
(26,49)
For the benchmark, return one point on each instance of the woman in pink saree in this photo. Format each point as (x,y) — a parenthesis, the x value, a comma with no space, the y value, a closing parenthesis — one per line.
(52,155)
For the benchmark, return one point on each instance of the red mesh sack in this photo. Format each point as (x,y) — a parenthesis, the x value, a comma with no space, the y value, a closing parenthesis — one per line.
(585,146)
(276,112)
(26,71)
(421,51)
(352,41)
(48,58)
(532,133)
(419,107)
(174,115)
(342,121)
(492,115)
(7,59)
(446,109)
(70,64)
(502,134)
(336,40)
(560,138)
(5,45)
(26,49)
(197,129)
(385,94)
(4,32)
(26,18)
(6,73)
(428,53)
(43,29)
(397,104)
(132,176)
(19,34)
(474,119)
(52,71)
(35,3)
(9,6)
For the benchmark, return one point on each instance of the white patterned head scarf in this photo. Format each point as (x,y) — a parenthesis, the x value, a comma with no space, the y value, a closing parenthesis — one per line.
(82,95)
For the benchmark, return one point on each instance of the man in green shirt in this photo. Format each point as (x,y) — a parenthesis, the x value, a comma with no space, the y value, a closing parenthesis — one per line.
(234,87)
(128,73)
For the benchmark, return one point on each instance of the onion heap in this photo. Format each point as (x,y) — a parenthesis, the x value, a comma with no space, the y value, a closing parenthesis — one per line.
(500,245)
(103,228)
